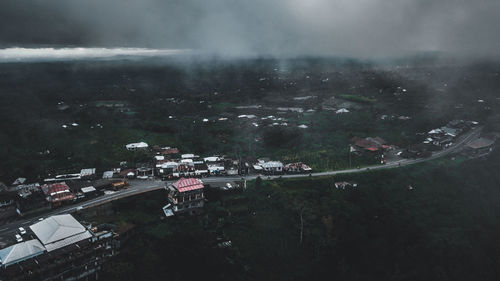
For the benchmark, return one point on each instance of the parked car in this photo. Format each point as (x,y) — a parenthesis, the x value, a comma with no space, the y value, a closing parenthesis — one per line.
(19,238)
(22,231)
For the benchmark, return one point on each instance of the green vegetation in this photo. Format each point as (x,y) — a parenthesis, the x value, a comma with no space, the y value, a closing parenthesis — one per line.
(222,106)
(162,103)
(434,221)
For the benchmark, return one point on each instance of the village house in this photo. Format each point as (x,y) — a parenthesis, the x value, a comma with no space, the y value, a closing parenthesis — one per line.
(87,173)
(108,175)
(58,193)
(26,190)
(169,150)
(231,167)
(272,167)
(188,156)
(159,158)
(216,169)
(31,197)
(136,146)
(128,173)
(145,171)
(212,159)
(186,195)
(452,132)
(376,144)
(201,169)
(166,168)
(298,167)
(184,169)
(64,177)
(19,181)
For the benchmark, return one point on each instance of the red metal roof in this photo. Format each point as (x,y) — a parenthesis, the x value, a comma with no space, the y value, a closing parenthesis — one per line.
(183,184)
(57,188)
(59,192)
(170,151)
(370,144)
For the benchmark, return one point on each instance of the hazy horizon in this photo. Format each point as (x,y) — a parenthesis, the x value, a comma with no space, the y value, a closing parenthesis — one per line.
(274,28)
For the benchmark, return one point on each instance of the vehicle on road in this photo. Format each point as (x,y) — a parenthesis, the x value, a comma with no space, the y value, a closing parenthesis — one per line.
(21,230)
(19,238)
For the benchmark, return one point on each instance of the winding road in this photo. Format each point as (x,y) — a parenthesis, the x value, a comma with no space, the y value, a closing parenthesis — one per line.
(142,186)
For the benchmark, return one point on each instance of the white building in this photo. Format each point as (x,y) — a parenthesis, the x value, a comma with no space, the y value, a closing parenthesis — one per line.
(215,169)
(59,231)
(87,172)
(136,146)
(272,167)
(107,175)
(212,159)
(169,165)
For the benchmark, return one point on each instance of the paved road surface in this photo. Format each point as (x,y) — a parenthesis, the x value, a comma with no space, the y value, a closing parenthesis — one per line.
(141,186)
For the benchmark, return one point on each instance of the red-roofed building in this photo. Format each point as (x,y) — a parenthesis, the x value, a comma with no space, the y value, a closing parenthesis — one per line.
(169,150)
(58,193)
(186,194)
(370,144)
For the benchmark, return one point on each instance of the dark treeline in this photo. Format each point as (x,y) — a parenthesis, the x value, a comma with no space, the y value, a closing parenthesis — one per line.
(437,221)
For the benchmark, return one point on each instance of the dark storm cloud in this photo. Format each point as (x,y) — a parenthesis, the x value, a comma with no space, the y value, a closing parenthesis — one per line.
(364,28)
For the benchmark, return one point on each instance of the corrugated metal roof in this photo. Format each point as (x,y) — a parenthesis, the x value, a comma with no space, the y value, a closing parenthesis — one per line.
(107,175)
(272,164)
(184,184)
(57,188)
(20,252)
(88,189)
(57,228)
(68,241)
(87,172)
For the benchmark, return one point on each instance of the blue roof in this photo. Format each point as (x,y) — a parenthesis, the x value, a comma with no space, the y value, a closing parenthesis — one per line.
(20,252)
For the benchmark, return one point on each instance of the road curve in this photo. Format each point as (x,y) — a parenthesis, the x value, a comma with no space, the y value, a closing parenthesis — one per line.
(142,186)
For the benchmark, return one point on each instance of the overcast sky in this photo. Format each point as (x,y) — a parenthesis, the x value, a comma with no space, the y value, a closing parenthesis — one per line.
(359,28)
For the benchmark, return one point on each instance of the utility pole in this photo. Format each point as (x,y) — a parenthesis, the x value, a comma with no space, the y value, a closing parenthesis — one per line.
(350,150)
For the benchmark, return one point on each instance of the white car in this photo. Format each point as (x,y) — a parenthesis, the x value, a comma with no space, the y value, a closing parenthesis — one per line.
(22,231)
(229,186)
(19,238)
